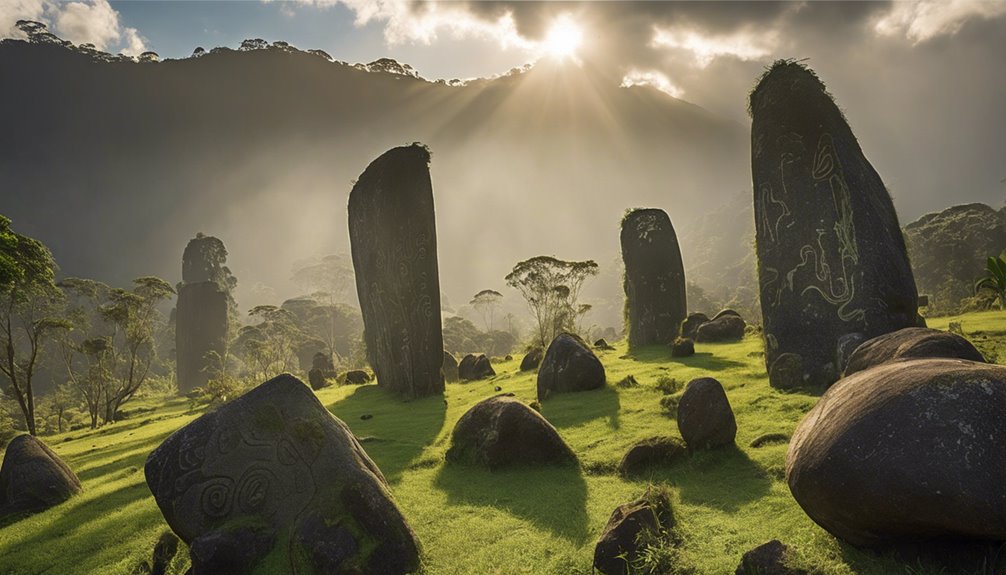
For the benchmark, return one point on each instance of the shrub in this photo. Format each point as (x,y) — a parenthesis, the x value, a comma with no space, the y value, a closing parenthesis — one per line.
(667,385)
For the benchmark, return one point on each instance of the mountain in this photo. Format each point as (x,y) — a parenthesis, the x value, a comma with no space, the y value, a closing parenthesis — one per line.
(115,164)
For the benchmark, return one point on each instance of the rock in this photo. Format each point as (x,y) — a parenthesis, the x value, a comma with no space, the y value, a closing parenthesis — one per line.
(450,367)
(691,324)
(357,377)
(618,545)
(787,372)
(393,236)
(683,347)
(906,451)
(603,344)
(569,365)
(726,328)
(767,559)
(705,418)
(726,312)
(650,452)
(473,367)
(654,279)
(164,551)
(317,379)
(847,345)
(911,343)
(323,361)
(831,254)
(508,357)
(201,326)
(502,432)
(532,360)
(33,478)
(274,473)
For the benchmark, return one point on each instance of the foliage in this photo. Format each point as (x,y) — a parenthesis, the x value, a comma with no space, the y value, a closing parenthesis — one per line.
(29,314)
(269,347)
(994,279)
(486,302)
(667,385)
(551,288)
(330,279)
(462,337)
(338,325)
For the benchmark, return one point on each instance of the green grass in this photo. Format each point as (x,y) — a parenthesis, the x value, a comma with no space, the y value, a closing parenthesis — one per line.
(470,521)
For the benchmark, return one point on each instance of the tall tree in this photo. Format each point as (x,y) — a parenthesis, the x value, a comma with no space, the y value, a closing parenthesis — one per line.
(486,302)
(29,313)
(551,288)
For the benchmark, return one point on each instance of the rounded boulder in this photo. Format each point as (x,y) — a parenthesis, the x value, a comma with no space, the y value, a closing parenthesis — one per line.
(911,343)
(569,365)
(705,418)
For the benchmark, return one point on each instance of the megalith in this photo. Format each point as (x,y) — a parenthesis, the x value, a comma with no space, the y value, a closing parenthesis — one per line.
(654,282)
(831,256)
(392,230)
(201,323)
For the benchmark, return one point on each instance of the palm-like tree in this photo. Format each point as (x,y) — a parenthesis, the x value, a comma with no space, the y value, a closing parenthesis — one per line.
(994,278)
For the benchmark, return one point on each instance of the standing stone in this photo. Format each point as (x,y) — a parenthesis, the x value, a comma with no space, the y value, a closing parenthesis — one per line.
(654,282)
(200,328)
(831,255)
(393,233)
(33,478)
(273,482)
(450,367)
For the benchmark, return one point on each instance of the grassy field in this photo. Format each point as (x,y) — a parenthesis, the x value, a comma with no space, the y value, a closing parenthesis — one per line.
(536,521)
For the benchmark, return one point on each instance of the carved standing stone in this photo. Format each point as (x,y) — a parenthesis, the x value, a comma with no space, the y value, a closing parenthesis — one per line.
(201,323)
(654,282)
(393,233)
(831,256)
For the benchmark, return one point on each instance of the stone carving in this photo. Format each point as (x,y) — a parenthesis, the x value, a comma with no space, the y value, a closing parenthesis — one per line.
(392,230)
(832,258)
(271,468)
(655,303)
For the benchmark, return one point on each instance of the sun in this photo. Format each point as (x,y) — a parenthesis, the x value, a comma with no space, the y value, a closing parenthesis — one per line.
(563,39)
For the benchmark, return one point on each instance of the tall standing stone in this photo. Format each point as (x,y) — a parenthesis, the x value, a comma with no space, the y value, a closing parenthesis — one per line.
(654,282)
(392,230)
(202,316)
(831,256)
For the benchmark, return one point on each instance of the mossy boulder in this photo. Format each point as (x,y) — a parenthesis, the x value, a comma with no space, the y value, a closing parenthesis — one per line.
(501,432)
(273,473)
(569,365)
(651,452)
(532,359)
(692,323)
(630,523)
(450,367)
(724,328)
(33,478)
(906,452)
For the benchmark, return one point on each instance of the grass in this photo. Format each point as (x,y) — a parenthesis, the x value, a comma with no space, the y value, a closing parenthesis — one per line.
(470,521)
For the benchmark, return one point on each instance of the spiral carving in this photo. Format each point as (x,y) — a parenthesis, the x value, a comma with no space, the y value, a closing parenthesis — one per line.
(217,497)
(253,489)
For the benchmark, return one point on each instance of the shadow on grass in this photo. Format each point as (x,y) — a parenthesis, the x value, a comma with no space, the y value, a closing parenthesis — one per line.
(553,498)
(724,479)
(701,360)
(573,408)
(930,558)
(397,431)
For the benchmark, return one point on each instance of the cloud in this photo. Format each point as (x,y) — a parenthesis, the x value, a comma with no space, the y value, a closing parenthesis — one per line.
(81,22)
(658,80)
(920,20)
(746,45)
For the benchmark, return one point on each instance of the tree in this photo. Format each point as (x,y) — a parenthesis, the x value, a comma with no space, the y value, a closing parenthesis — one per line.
(29,308)
(84,346)
(551,288)
(271,344)
(486,302)
(329,279)
(994,278)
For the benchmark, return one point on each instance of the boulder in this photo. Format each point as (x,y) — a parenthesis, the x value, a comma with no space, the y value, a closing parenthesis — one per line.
(618,545)
(787,372)
(683,347)
(906,451)
(569,365)
(650,452)
(726,328)
(502,432)
(450,367)
(911,343)
(691,324)
(393,239)
(273,473)
(767,559)
(33,478)
(726,312)
(705,418)
(532,359)
(654,278)
(473,367)
(317,378)
(356,377)
(847,345)
(831,253)
(603,344)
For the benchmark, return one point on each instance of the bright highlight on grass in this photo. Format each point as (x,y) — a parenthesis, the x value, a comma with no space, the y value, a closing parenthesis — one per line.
(564,38)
